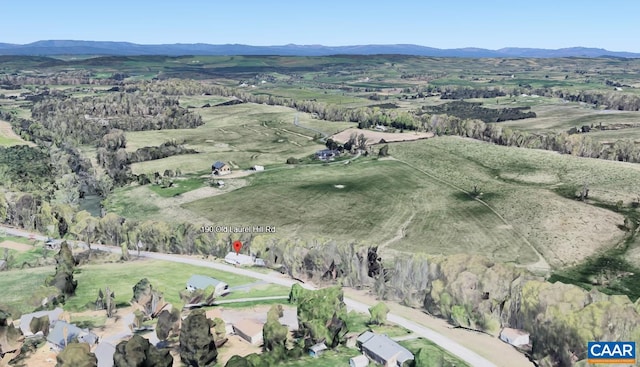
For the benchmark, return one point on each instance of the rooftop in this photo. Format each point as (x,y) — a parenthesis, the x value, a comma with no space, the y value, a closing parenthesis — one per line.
(513,333)
(248,327)
(202,282)
(218,165)
(385,347)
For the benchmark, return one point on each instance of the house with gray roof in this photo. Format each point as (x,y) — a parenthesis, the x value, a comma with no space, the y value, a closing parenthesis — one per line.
(204,282)
(383,350)
(63,333)
(220,168)
(25,320)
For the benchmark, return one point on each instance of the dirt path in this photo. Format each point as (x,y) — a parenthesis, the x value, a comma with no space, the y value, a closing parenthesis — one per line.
(539,266)
(399,234)
(11,245)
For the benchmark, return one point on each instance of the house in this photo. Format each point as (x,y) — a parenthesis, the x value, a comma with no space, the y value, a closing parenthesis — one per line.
(381,128)
(257,168)
(239,259)
(316,350)
(25,320)
(204,282)
(63,333)
(359,361)
(327,154)
(383,350)
(249,330)
(515,337)
(220,168)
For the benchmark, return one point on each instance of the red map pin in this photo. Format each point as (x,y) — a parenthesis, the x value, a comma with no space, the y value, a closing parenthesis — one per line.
(237,245)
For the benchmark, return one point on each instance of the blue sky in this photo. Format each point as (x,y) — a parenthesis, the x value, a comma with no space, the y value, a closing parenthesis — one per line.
(612,24)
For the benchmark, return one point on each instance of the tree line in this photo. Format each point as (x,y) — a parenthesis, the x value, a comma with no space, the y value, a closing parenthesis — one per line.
(86,120)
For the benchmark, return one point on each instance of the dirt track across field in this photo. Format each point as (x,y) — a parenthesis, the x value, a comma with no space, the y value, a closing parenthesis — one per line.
(16,246)
(374,137)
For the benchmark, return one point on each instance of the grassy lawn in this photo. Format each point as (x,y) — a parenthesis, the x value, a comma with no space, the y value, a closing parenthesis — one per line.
(262,290)
(330,358)
(132,202)
(437,356)
(377,198)
(168,277)
(36,251)
(358,322)
(13,284)
(180,186)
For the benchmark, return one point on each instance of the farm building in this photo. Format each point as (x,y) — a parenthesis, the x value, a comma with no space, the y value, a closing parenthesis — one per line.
(203,282)
(327,154)
(515,337)
(249,330)
(359,361)
(63,333)
(316,350)
(220,169)
(383,350)
(257,168)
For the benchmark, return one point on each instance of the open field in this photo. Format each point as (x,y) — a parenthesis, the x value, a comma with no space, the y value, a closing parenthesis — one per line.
(245,134)
(154,202)
(367,201)
(168,277)
(373,137)
(8,137)
(562,117)
(525,187)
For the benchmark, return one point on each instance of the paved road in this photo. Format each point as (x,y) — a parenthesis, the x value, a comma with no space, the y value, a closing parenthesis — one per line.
(449,345)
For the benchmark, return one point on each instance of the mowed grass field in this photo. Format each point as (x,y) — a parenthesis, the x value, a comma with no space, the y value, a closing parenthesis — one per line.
(8,137)
(367,201)
(529,188)
(168,277)
(557,116)
(244,134)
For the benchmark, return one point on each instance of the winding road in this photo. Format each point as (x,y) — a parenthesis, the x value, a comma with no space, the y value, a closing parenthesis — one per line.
(444,342)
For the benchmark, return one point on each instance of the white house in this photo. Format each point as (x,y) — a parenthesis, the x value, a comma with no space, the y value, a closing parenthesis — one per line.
(359,361)
(239,259)
(515,337)
(257,168)
(203,282)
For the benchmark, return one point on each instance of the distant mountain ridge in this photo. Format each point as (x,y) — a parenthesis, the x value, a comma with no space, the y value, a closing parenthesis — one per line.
(69,47)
